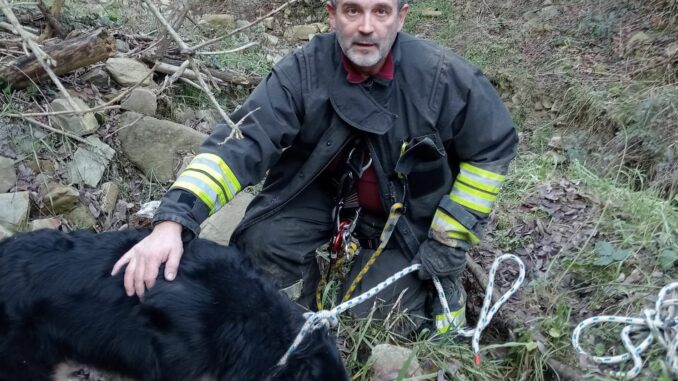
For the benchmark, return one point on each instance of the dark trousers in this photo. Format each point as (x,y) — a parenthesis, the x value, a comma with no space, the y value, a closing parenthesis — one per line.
(284,247)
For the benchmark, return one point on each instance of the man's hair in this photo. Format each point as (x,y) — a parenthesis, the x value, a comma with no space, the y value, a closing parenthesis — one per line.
(400,3)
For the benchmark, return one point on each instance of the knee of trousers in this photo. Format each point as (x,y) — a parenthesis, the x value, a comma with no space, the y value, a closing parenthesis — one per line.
(260,243)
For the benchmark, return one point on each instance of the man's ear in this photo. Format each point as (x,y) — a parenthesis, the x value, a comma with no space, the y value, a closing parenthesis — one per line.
(332,13)
(401,16)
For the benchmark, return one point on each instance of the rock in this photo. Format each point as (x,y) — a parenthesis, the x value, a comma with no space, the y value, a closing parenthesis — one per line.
(322,27)
(270,39)
(531,15)
(547,2)
(387,360)
(76,124)
(121,46)
(80,218)
(219,226)
(549,12)
(97,77)
(671,50)
(301,32)
(142,101)
(128,72)
(144,217)
(7,174)
(431,12)
(60,198)
(556,142)
(5,233)
(89,163)
(222,19)
(268,23)
(109,197)
(546,103)
(14,209)
(156,146)
(241,24)
(44,223)
(41,165)
(636,41)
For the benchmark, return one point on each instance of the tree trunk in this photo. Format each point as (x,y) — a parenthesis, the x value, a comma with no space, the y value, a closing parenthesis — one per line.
(69,55)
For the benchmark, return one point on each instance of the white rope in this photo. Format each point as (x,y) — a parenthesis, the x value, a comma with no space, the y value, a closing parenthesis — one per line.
(329,318)
(661,324)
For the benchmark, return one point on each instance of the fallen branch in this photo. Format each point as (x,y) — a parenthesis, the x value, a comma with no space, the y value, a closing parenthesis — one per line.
(66,57)
(224,75)
(43,59)
(60,132)
(9,28)
(512,321)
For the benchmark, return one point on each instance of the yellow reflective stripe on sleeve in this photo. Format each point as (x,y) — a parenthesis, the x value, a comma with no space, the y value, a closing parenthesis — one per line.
(469,179)
(482,172)
(470,204)
(443,222)
(203,193)
(206,184)
(216,163)
(472,199)
(480,178)
(216,176)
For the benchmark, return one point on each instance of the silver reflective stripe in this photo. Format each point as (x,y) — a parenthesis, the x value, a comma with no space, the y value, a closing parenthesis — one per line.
(187,177)
(472,198)
(215,167)
(481,179)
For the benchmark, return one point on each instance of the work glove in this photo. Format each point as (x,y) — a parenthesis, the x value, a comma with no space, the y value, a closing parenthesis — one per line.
(439,260)
(447,263)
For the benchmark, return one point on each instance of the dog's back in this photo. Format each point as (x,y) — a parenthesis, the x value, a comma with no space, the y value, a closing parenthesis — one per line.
(218,318)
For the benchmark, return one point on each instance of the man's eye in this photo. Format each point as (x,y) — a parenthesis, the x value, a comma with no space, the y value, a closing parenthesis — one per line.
(351,11)
(382,12)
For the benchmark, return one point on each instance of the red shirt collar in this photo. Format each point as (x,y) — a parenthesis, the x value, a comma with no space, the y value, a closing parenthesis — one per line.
(354,77)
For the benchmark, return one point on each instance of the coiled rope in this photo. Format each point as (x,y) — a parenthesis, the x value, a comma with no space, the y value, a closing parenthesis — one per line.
(316,320)
(661,323)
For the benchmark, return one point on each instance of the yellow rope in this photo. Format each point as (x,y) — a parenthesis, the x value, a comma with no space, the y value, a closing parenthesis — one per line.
(393,216)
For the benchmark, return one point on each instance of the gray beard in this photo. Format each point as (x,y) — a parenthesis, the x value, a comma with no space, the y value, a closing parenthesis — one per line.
(363,60)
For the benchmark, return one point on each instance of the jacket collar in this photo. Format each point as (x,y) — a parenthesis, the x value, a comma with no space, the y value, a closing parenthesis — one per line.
(355,77)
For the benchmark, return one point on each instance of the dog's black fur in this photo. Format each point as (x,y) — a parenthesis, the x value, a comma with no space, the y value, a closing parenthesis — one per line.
(219,318)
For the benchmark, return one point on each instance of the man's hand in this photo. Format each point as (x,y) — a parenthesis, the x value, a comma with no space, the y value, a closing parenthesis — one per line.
(143,260)
(440,260)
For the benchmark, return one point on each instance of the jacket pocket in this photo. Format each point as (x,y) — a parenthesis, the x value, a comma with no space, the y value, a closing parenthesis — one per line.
(423,163)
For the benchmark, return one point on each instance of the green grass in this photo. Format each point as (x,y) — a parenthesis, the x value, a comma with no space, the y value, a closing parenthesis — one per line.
(251,61)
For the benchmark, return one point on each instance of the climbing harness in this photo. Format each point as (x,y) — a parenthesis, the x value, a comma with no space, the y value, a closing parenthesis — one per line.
(316,320)
(345,214)
(661,323)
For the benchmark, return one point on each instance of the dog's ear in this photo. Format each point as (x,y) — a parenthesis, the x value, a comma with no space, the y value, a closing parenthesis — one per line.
(316,358)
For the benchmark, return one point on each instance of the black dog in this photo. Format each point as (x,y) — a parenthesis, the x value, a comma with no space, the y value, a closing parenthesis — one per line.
(219,319)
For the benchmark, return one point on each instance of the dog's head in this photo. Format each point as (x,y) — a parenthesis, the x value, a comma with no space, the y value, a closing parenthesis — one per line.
(316,359)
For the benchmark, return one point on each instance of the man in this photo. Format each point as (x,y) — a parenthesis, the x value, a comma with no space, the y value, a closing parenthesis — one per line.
(402,119)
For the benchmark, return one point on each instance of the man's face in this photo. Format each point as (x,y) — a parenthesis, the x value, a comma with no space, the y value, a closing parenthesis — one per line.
(366,29)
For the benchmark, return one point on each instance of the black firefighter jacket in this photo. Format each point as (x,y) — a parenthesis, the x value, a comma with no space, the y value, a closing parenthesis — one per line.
(439,136)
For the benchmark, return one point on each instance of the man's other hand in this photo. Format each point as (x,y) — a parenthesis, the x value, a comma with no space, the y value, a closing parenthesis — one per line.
(143,261)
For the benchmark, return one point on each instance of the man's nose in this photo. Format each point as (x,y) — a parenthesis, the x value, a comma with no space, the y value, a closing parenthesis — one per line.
(366,26)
